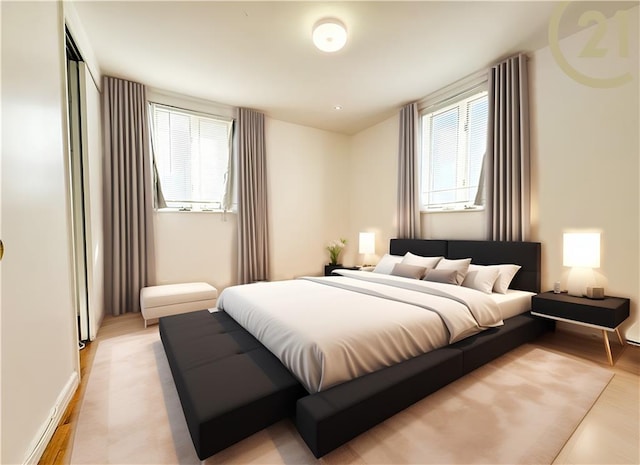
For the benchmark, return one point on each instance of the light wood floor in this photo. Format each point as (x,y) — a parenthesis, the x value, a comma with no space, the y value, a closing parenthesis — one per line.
(608,434)
(59,449)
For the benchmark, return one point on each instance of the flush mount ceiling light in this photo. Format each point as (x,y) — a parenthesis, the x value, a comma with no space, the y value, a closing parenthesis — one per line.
(329,35)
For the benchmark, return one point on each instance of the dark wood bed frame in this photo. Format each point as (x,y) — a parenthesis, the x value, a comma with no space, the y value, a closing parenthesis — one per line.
(230,386)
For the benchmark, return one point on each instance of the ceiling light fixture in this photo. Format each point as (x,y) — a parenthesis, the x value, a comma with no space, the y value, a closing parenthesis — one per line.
(329,35)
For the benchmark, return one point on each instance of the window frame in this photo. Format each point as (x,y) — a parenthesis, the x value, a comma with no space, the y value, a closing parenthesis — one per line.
(449,98)
(209,206)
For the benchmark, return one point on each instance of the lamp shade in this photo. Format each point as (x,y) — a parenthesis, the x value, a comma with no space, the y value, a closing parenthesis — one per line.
(367,243)
(581,250)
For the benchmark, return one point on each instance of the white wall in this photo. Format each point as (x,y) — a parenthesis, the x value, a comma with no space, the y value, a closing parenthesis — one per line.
(308,196)
(373,194)
(372,184)
(308,206)
(39,336)
(585,155)
(584,150)
(196,246)
(467,225)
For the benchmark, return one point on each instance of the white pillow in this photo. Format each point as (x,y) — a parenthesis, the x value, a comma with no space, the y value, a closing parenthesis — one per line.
(386,263)
(417,260)
(461,266)
(481,278)
(505,276)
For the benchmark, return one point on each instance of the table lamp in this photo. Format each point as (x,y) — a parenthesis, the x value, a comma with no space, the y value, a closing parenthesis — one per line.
(367,245)
(581,252)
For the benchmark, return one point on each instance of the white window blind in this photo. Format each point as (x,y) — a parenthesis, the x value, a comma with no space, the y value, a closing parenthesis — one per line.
(453,141)
(192,153)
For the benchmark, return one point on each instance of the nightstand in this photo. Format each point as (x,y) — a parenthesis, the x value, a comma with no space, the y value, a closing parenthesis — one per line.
(604,314)
(328,269)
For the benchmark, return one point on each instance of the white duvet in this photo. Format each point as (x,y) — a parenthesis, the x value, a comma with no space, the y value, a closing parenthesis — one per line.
(332,329)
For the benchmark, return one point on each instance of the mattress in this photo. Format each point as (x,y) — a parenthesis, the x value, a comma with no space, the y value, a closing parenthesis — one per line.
(513,302)
(333,329)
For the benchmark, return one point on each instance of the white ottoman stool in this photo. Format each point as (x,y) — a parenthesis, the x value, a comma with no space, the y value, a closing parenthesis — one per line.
(171,299)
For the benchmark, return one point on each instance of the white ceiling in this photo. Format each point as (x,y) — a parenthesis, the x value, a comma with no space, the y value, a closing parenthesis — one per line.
(260,55)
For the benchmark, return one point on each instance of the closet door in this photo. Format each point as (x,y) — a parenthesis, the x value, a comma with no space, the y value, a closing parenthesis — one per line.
(77,162)
(91,117)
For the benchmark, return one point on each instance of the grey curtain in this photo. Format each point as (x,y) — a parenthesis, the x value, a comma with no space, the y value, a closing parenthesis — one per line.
(230,175)
(507,160)
(253,253)
(158,196)
(408,195)
(128,195)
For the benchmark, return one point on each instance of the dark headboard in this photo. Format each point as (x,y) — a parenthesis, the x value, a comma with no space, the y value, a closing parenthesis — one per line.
(525,254)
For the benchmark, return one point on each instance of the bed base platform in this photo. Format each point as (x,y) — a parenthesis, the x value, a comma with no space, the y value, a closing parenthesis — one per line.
(330,418)
(230,386)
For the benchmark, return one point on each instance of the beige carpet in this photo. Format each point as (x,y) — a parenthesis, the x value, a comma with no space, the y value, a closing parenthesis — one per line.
(521,408)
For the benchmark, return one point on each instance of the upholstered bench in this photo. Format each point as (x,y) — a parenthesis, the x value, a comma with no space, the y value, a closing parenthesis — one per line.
(230,386)
(172,299)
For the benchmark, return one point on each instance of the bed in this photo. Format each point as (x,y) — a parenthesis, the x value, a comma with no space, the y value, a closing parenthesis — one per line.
(244,367)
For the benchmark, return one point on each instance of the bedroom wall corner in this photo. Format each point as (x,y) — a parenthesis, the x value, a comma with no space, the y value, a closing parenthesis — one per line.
(373,171)
(308,188)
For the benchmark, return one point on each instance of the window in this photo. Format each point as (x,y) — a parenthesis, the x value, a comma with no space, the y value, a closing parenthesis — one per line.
(192,153)
(454,139)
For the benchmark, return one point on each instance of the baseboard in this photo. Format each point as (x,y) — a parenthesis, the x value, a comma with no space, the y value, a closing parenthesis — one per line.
(45,432)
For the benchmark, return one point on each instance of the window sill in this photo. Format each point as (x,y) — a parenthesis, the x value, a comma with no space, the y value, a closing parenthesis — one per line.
(453,210)
(180,210)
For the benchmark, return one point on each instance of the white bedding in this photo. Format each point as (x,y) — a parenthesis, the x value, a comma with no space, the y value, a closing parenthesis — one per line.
(510,304)
(513,302)
(332,329)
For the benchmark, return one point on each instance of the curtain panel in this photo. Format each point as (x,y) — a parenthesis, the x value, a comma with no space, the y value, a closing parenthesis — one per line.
(158,197)
(507,162)
(253,252)
(128,195)
(408,184)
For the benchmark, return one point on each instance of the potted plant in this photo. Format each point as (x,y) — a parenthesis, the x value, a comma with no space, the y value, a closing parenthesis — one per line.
(334,248)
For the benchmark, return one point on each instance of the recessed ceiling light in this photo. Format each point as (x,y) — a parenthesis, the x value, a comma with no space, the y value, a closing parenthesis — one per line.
(337,107)
(329,35)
